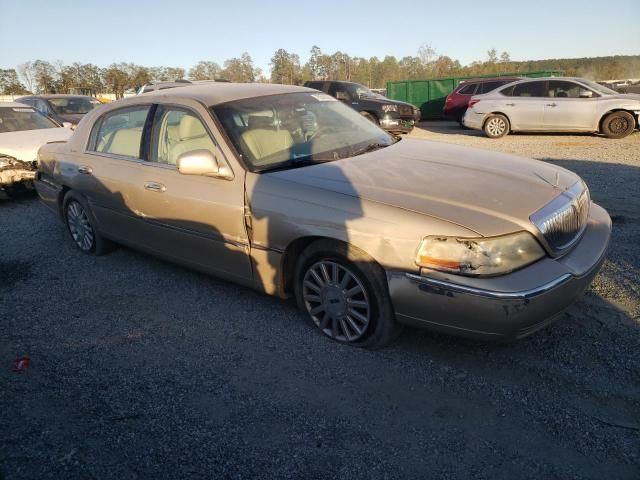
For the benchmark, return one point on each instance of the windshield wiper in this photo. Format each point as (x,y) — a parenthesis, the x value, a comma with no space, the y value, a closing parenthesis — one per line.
(302,161)
(370,148)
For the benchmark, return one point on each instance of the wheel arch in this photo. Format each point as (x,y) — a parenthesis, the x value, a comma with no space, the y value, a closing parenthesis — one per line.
(497,112)
(291,254)
(614,110)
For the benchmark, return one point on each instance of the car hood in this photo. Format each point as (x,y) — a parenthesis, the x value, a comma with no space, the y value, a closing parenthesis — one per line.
(487,192)
(24,145)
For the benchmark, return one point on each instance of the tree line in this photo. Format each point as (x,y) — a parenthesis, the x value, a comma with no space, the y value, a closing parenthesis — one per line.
(41,76)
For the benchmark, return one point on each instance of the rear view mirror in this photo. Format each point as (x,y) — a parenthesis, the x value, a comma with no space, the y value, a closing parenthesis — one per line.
(202,162)
(586,94)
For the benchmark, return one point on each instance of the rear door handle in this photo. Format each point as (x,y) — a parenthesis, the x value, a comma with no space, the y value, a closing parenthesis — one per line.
(85,170)
(155,187)
(551,104)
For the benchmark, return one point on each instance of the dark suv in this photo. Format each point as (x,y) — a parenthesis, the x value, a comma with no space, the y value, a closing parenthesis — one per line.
(392,115)
(455,105)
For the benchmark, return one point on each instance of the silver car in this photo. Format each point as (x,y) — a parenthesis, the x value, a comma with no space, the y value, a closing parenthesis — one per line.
(554,104)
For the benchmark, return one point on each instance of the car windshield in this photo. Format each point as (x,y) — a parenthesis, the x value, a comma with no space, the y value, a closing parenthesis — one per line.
(72,105)
(297,129)
(362,91)
(598,88)
(16,119)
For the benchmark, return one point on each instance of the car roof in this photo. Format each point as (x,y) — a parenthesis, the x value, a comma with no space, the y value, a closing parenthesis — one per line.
(215,93)
(491,79)
(14,105)
(56,95)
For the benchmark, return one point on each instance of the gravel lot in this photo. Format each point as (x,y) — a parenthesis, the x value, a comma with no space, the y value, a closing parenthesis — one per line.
(140,369)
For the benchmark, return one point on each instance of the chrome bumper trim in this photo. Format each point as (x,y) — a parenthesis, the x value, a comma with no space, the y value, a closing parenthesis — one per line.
(521,295)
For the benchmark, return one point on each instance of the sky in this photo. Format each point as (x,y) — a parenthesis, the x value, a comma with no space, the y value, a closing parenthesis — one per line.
(179,33)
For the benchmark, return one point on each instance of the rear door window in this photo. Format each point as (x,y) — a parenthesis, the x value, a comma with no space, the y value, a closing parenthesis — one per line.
(487,87)
(528,89)
(120,132)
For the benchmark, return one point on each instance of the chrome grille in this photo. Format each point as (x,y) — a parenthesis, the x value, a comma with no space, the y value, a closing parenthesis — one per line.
(563,220)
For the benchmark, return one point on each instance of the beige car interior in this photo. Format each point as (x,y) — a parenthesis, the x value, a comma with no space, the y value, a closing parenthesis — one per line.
(188,135)
(122,142)
(263,137)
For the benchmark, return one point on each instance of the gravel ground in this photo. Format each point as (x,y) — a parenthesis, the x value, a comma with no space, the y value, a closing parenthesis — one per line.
(141,369)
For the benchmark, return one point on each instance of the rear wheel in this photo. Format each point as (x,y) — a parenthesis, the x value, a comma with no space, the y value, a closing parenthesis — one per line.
(618,124)
(344,293)
(496,126)
(82,226)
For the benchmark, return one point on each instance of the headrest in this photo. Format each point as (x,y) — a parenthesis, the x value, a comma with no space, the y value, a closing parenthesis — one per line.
(190,127)
(261,120)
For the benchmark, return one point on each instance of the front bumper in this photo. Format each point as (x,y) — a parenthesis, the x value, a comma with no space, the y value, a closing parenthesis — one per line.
(509,306)
(18,176)
(397,124)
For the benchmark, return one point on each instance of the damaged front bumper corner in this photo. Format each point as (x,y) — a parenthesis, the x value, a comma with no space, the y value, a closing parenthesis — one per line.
(15,175)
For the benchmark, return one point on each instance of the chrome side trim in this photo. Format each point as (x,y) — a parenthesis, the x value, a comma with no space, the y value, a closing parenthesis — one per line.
(521,295)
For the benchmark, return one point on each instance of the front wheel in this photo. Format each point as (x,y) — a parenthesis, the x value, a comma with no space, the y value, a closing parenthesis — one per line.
(618,124)
(496,126)
(344,292)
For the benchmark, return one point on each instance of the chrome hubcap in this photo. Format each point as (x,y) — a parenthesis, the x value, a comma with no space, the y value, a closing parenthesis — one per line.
(79,226)
(336,300)
(496,126)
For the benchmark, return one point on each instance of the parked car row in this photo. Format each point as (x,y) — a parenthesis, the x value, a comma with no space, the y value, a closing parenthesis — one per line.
(552,104)
(290,191)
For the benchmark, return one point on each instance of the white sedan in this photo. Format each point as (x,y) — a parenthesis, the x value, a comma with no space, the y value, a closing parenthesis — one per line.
(554,104)
(23,131)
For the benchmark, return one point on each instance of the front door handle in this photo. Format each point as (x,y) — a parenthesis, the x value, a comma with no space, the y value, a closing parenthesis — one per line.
(551,104)
(510,104)
(85,170)
(155,187)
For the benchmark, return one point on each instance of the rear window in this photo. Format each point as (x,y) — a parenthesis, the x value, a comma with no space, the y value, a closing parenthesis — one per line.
(468,89)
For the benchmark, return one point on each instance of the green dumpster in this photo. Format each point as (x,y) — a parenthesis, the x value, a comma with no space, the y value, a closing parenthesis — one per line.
(429,94)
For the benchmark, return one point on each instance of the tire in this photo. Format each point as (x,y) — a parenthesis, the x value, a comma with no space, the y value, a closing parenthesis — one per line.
(496,126)
(325,274)
(618,124)
(81,226)
(370,117)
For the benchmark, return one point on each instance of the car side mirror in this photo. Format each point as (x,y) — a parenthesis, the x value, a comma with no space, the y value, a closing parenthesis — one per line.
(342,96)
(586,94)
(202,162)
(68,125)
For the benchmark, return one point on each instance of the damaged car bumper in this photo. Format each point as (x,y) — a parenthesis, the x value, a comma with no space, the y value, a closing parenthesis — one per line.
(504,307)
(15,175)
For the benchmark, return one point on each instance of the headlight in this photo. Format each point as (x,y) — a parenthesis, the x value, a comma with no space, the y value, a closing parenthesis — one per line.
(389,108)
(479,256)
